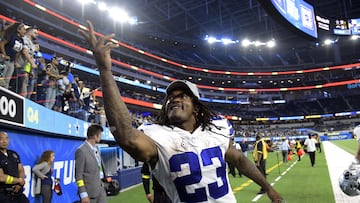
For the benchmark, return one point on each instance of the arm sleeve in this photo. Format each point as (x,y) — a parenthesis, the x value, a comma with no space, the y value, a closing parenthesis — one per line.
(79,170)
(145,176)
(38,168)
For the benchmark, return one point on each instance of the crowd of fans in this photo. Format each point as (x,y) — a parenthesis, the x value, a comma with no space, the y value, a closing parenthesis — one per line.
(53,85)
(49,83)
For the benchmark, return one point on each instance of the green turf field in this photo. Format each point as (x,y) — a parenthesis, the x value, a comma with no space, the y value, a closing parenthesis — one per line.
(348,145)
(297,182)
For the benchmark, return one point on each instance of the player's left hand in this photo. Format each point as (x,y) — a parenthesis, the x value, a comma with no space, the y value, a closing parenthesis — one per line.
(17,188)
(100,47)
(275,197)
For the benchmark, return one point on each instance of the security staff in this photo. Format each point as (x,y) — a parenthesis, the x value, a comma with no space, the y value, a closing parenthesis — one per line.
(159,192)
(298,147)
(260,156)
(11,174)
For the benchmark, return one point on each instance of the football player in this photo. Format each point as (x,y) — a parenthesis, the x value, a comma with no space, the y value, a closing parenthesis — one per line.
(188,146)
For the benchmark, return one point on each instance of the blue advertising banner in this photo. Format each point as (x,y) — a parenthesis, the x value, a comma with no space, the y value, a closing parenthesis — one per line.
(41,118)
(31,146)
(15,110)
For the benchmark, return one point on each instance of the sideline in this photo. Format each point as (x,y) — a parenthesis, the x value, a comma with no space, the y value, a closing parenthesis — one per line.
(257,197)
(338,160)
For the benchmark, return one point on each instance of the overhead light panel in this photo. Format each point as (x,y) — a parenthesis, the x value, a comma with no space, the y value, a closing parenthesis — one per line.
(102,6)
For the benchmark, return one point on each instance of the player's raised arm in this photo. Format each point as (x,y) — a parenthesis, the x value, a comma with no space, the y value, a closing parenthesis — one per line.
(133,141)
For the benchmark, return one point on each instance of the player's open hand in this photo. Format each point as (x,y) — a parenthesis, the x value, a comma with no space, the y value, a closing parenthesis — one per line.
(275,197)
(101,47)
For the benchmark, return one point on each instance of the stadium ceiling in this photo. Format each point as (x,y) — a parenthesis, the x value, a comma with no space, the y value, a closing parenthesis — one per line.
(162,23)
(181,25)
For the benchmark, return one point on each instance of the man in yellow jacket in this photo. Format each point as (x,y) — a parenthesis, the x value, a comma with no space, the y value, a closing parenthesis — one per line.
(260,156)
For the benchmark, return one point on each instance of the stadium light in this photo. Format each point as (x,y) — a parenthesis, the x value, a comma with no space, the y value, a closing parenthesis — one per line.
(115,13)
(354,37)
(258,43)
(118,15)
(270,43)
(245,43)
(102,6)
(328,42)
(227,41)
(210,40)
(86,1)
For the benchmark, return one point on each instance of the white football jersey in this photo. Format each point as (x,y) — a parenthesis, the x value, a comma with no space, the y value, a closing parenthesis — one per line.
(192,166)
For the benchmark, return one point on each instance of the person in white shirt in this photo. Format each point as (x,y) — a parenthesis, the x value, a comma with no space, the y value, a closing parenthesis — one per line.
(310,144)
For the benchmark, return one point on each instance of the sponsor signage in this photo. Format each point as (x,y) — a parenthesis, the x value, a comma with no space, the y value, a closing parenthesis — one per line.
(16,110)
(11,108)
(323,23)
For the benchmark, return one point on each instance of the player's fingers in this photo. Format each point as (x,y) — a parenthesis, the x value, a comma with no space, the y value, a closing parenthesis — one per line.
(103,40)
(91,30)
(111,45)
(84,34)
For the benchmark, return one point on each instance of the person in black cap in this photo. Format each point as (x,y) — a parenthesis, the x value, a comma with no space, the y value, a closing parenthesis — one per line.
(52,71)
(188,146)
(260,156)
(159,192)
(10,46)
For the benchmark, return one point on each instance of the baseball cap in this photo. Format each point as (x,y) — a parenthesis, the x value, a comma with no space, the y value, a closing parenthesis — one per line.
(183,84)
(23,25)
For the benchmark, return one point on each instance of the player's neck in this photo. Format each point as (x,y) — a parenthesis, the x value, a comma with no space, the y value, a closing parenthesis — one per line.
(190,127)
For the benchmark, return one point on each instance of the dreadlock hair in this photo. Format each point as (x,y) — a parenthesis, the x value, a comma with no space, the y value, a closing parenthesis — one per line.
(202,118)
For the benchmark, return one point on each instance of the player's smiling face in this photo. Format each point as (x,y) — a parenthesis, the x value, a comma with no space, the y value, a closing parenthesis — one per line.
(179,107)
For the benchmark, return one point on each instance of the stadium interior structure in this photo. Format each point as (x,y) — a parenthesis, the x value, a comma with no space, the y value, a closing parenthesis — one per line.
(301,82)
(301,77)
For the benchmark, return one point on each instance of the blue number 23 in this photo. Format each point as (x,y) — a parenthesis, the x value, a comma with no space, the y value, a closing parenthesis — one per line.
(195,176)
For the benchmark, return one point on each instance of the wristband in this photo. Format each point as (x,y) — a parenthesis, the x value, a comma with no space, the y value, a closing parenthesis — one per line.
(83,195)
(9,180)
